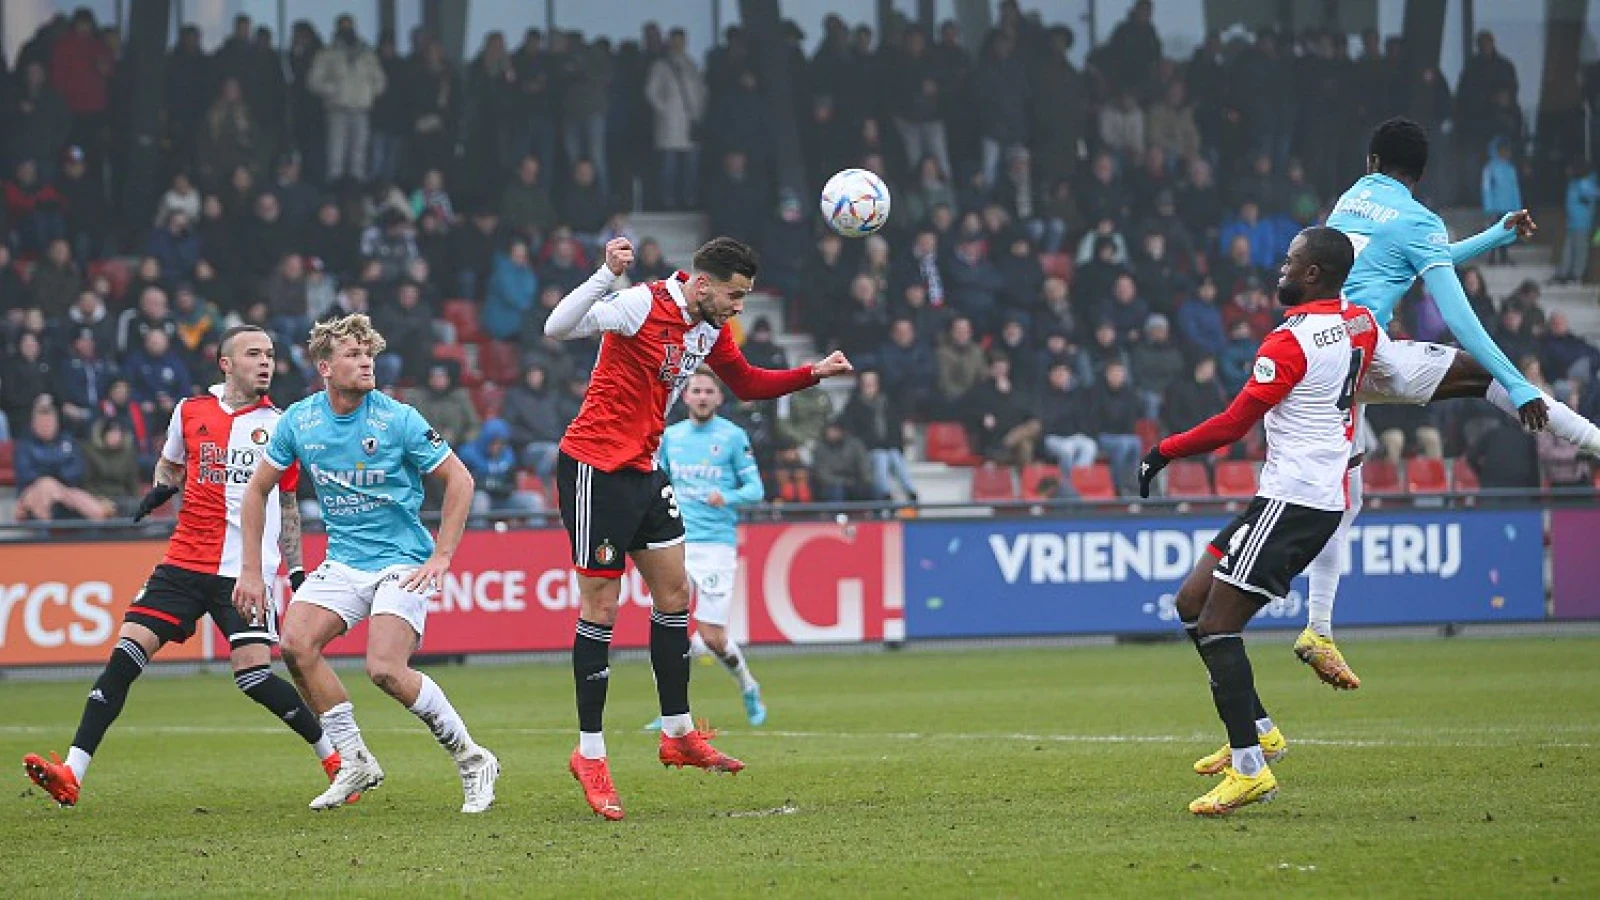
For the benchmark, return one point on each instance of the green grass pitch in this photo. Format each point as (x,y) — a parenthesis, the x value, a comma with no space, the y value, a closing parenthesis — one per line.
(1462,767)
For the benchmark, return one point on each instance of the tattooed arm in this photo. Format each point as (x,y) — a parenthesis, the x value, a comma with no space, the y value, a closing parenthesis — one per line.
(289,533)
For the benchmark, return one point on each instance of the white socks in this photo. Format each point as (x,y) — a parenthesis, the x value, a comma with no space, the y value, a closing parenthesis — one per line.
(1325,571)
(323,747)
(435,711)
(1249,762)
(339,726)
(1564,423)
(697,645)
(730,657)
(677,726)
(591,745)
(1264,725)
(78,762)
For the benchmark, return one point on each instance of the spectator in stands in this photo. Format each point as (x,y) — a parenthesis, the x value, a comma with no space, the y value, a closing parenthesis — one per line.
(974,283)
(83,380)
(1565,356)
(801,416)
(1115,410)
(1125,309)
(296,199)
(493,464)
(265,239)
(1021,276)
(1252,307)
(931,188)
(181,197)
(1505,457)
(50,469)
(407,326)
(56,281)
(1483,76)
(650,265)
(760,349)
(176,246)
(158,376)
(961,365)
(865,321)
(525,204)
(111,466)
(1238,355)
(1157,364)
(1583,192)
(1016,344)
(879,422)
(286,298)
(80,69)
(446,406)
(735,199)
(1170,124)
(1525,299)
(199,321)
(35,209)
(1059,107)
(1514,335)
(24,375)
(89,314)
(392,241)
(1190,401)
(1096,274)
(435,101)
(512,287)
(13,290)
(1122,126)
(1103,197)
(841,470)
(229,138)
(1478,295)
(1398,426)
(1199,202)
(585,78)
(1502,190)
(907,368)
(348,76)
(913,92)
(83,196)
(329,239)
(1003,115)
(1054,313)
(1001,417)
(583,204)
(1059,350)
(1106,348)
(677,94)
(532,411)
(37,119)
(1065,420)
(565,268)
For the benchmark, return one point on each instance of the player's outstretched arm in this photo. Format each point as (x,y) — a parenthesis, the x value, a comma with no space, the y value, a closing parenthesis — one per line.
(750,383)
(578,315)
(458,488)
(250,589)
(1457,312)
(1501,234)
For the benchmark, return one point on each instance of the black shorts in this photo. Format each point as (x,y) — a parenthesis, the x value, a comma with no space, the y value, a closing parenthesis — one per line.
(1270,543)
(173,600)
(609,514)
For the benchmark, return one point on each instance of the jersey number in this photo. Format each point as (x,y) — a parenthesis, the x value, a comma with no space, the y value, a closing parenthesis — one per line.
(1347,394)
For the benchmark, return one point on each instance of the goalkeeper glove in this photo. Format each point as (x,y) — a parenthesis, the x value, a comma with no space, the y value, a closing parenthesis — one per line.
(153,500)
(297,577)
(1149,468)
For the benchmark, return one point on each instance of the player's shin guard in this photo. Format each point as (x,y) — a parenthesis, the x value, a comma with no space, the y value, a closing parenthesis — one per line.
(1263,721)
(669,658)
(1564,423)
(591,673)
(110,691)
(1233,691)
(281,699)
(434,709)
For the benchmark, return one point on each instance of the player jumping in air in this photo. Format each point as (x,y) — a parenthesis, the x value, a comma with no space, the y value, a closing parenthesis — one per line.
(213,443)
(615,502)
(713,473)
(366,454)
(1396,241)
(1303,385)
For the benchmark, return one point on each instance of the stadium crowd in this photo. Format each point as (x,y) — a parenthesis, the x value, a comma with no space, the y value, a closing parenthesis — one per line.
(1077,255)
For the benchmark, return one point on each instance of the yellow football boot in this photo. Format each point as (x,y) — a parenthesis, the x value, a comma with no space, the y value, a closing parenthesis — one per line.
(1273,747)
(1234,791)
(1324,658)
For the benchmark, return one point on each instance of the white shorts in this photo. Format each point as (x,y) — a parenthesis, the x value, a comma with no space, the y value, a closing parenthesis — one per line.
(1405,371)
(353,595)
(712,567)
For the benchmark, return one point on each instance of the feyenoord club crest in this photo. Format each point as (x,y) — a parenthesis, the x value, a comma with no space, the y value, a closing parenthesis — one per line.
(258,436)
(369,444)
(605,554)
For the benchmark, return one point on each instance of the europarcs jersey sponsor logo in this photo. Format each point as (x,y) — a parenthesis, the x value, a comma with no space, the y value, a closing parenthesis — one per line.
(1164,555)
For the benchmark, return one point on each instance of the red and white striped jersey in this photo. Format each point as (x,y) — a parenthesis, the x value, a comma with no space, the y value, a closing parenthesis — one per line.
(650,347)
(219,449)
(1308,370)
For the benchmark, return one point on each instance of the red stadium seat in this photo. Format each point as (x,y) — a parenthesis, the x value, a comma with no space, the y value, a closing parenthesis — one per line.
(117,270)
(1380,476)
(463,314)
(1039,481)
(991,482)
(8,464)
(451,353)
(1236,478)
(1425,475)
(1463,479)
(1056,265)
(501,362)
(1149,431)
(487,398)
(1187,479)
(1094,482)
(947,443)
(528,482)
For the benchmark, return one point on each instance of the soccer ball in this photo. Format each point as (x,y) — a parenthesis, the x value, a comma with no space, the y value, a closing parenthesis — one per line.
(855,203)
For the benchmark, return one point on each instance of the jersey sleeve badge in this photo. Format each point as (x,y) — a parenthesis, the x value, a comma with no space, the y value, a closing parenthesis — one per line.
(1266,371)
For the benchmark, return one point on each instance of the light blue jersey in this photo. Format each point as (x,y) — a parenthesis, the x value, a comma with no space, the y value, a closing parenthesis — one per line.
(1398,240)
(715,456)
(367,468)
